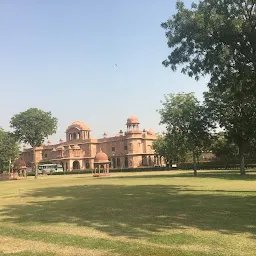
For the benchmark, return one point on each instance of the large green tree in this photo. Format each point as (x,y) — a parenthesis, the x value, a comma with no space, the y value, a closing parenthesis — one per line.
(223,148)
(234,110)
(172,147)
(186,123)
(217,38)
(33,126)
(9,149)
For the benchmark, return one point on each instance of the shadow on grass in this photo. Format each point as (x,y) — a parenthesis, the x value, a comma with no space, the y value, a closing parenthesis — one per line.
(135,211)
(226,175)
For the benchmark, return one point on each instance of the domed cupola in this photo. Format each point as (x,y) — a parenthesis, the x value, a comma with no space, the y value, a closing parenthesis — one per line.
(78,130)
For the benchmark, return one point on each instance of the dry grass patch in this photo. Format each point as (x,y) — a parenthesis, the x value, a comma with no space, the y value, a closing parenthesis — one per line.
(10,245)
(155,213)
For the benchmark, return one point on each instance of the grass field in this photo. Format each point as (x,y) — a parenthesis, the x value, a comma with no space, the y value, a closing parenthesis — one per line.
(144,214)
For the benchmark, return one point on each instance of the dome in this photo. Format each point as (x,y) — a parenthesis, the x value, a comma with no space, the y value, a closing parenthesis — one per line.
(132,120)
(79,125)
(101,157)
(151,132)
(19,164)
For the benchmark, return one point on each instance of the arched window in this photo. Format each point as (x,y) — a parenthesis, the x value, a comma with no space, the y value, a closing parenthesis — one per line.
(74,136)
(76,165)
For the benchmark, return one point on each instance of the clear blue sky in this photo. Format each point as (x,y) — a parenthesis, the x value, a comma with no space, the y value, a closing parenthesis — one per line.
(60,56)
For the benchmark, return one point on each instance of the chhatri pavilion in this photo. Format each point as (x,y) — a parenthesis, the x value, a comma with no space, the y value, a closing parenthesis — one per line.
(130,149)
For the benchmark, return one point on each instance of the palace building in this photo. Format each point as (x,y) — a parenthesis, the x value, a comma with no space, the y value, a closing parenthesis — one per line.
(129,149)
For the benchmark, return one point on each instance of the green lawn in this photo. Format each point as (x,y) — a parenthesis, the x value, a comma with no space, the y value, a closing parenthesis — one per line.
(144,214)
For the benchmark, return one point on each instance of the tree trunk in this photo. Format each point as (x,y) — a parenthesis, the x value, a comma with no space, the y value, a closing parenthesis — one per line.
(194,162)
(35,163)
(241,153)
(226,163)
(170,163)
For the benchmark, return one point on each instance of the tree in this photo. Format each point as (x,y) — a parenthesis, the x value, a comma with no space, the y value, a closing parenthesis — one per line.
(9,149)
(160,147)
(177,146)
(32,127)
(185,119)
(223,148)
(172,147)
(236,114)
(217,38)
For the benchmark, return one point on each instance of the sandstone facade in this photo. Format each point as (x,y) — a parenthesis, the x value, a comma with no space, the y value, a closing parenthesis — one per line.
(130,149)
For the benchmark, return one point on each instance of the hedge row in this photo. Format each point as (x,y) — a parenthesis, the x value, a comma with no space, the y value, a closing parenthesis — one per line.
(213,166)
(111,171)
(185,166)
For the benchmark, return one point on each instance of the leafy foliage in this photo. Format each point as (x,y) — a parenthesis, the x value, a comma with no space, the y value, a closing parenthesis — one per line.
(218,38)
(213,37)
(186,123)
(235,112)
(177,144)
(172,147)
(160,147)
(9,149)
(223,148)
(33,126)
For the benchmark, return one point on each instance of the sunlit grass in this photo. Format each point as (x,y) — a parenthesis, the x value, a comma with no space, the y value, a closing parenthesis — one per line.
(154,213)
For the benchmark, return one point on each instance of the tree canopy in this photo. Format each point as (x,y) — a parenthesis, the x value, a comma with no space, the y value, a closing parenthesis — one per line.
(172,147)
(215,38)
(9,149)
(33,126)
(160,147)
(218,39)
(186,124)
(223,148)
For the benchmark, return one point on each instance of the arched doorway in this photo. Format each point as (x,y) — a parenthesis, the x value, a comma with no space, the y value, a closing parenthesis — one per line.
(76,165)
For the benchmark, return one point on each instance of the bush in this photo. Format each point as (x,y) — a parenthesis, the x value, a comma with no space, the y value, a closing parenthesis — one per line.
(215,165)
(145,169)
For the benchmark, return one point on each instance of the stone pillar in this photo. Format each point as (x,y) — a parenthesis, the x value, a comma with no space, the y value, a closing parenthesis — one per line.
(70,166)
